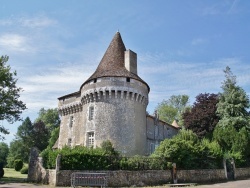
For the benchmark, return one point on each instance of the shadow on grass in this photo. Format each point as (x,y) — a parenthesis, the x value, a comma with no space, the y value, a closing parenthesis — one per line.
(12,180)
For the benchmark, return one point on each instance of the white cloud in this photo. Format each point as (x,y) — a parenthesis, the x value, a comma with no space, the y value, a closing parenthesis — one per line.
(199,41)
(14,42)
(38,21)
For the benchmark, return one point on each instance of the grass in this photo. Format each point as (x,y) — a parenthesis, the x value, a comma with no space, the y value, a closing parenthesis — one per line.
(12,176)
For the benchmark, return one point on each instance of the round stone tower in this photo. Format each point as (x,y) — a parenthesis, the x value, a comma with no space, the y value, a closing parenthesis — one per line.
(111,104)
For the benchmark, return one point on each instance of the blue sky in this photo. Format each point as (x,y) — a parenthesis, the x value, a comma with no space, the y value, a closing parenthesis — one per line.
(182,46)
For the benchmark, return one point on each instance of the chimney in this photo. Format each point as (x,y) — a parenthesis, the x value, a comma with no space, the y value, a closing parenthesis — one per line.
(131,61)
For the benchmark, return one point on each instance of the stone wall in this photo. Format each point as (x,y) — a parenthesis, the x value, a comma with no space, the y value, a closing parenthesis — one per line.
(123,178)
(241,173)
(201,176)
(36,172)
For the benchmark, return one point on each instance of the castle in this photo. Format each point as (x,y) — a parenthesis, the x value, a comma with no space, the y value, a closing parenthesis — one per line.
(111,105)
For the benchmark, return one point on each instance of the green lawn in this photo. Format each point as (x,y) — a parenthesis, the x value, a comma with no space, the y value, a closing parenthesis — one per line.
(10,175)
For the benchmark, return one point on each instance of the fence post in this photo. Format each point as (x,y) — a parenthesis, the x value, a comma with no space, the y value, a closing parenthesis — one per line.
(174,173)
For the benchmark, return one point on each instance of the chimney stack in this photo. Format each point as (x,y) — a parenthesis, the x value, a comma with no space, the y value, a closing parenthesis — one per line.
(131,61)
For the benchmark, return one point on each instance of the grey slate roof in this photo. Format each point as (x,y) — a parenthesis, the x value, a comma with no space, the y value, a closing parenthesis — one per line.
(112,63)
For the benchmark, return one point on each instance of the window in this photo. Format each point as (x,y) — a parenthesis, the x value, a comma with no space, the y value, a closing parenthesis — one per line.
(95,80)
(91,139)
(91,113)
(69,142)
(152,148)
(71,121)
(128,79)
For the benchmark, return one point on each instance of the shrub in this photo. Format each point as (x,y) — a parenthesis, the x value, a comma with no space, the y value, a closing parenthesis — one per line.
(24,170)
(18,164)
(1,172)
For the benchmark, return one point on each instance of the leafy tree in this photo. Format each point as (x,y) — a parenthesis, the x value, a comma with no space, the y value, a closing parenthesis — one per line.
(49,117)
(24,131)
(10,105)
(4,150)
(40,135)
(181,149)
(171,109)
(17,151)
(232,130)
(233,104)
(202,117)
(189,152)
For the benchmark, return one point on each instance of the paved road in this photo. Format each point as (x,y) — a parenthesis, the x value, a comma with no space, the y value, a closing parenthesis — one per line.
(232,184)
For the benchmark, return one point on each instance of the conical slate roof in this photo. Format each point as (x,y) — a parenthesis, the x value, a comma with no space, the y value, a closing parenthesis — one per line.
(112,63)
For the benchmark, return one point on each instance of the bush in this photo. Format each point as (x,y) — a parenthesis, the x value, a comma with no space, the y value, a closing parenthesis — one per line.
(24,170)
(1,172)
(18,164)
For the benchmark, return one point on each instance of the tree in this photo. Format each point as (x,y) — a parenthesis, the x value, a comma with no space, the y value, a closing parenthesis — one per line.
(233,103)
(171,109)
(24,131)
(4,150)
(17,151)
(49,117)
(40,135)
(233,128)
(10,105)
(52,121)
(202,117)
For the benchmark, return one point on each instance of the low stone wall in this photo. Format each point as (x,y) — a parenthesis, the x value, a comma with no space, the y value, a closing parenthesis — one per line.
(123,178)
(201,176)
(242,173)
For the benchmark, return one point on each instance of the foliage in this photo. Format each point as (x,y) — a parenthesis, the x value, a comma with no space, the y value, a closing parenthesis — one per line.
(24,170)
(17,151)
(18,164)
(108,148)
(186,150)
(202,117)
(40,135)
(10,105)
(82,158)
(233,128)
(53,137)
(49,117)
(4,150)
(171,109)
(233,104)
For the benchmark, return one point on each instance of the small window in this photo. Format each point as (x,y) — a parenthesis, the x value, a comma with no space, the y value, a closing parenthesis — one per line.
(91,139)
(128,79)
(95,80)
(71,119)
(69,142)
(91,113)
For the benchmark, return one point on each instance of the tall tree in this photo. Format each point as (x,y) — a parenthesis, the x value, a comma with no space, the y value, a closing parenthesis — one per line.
(40,135)
(10,105)
(50,118)
(233,128)
(233,103)
(4,150)
(202,117)
(171,109)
